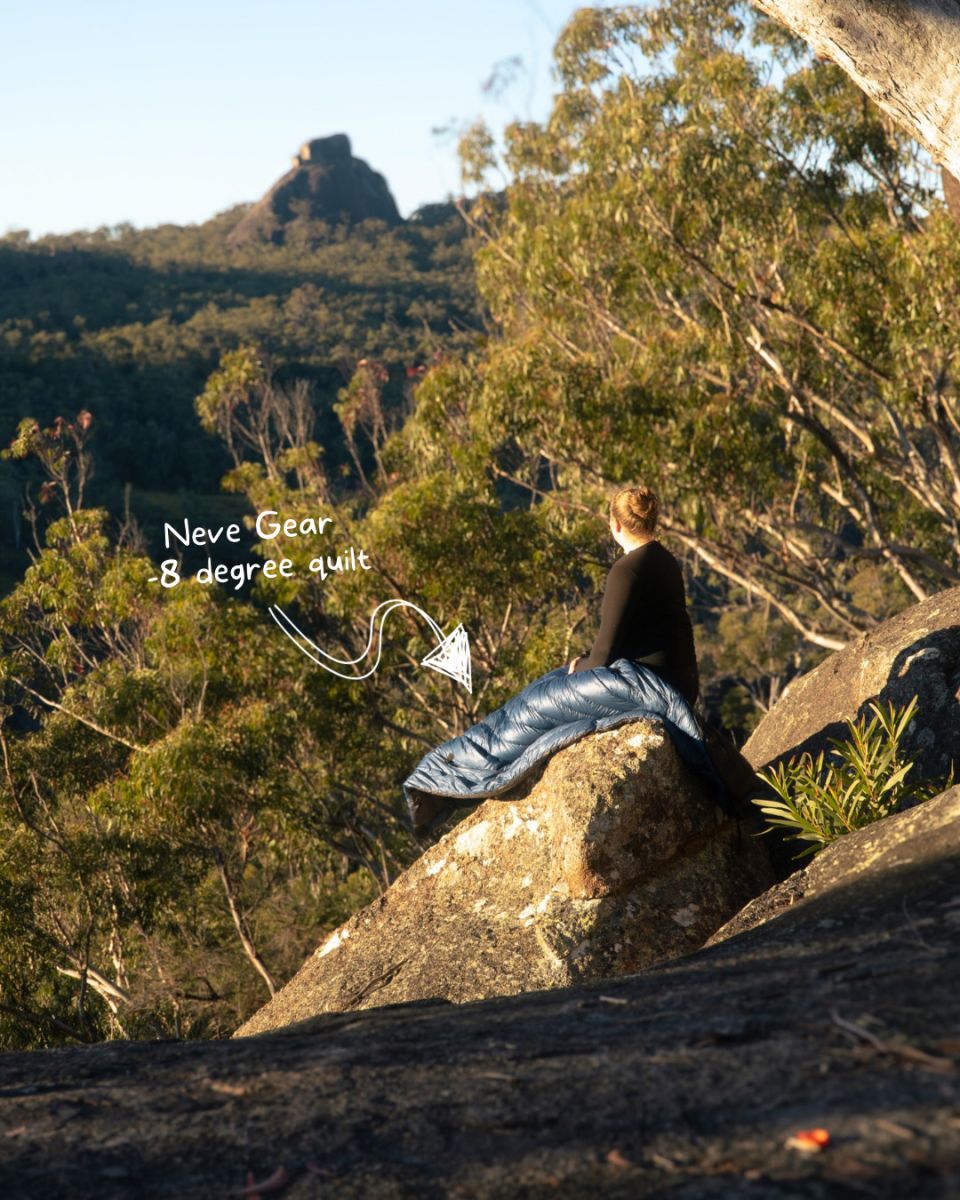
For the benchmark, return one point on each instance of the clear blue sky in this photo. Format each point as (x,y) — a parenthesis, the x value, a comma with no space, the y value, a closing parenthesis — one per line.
(120,111)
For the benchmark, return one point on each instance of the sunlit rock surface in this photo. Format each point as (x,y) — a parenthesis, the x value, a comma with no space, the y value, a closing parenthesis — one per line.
(610,859)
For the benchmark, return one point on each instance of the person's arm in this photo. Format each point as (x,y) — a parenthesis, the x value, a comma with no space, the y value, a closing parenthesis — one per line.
(614,611)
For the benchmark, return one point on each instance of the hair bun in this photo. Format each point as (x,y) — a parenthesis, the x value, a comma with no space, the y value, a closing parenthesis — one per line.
(636,508)
(641,502)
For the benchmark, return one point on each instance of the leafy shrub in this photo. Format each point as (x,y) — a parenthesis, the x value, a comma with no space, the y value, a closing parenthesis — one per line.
(863,780)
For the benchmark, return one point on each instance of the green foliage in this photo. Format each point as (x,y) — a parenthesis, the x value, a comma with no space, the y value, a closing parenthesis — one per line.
(738,710)
(130,324)
(707,276)
(864,779)
(716,268)
(196,801)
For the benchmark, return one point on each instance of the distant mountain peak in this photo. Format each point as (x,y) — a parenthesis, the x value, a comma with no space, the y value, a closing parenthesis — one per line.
(325,182)
(332,149)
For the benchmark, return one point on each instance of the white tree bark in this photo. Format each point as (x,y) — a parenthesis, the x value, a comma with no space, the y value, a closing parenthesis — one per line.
(905,54)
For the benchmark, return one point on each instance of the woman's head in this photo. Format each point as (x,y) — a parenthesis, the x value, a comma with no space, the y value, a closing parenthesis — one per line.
(635,511)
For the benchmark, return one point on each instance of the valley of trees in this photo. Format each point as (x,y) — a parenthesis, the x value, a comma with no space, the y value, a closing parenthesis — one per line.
(130,323)
(717,268)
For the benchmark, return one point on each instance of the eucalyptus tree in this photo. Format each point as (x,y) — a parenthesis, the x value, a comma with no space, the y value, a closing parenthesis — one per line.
(905,54)
(721,269)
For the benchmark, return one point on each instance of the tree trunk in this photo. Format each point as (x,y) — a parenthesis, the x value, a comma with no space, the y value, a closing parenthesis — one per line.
(905,54)
(951,192)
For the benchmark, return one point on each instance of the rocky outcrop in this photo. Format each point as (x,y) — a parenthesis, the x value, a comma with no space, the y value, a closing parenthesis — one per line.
(612,858)
(684,1081)
(325,183)
(915,653)
(881,848)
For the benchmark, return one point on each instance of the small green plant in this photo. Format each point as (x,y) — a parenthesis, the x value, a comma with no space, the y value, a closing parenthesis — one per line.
(863,780)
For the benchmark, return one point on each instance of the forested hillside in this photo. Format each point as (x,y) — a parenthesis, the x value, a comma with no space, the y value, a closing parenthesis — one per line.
(716,269)
(128,323)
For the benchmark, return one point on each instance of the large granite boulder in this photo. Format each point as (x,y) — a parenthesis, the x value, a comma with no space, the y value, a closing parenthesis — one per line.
(916,652)
(611,858)
(325,183)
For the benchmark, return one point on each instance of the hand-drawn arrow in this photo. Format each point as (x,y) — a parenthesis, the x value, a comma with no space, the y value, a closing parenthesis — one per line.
(451,655)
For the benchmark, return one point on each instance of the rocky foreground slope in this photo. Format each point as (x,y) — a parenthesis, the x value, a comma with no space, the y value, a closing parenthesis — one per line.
(830,1001)
(839,1010)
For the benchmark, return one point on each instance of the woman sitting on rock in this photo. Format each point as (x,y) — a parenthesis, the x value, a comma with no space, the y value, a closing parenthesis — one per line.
(645,642)
(643,615)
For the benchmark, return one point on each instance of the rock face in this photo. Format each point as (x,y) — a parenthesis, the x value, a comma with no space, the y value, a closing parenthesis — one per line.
(916,652)
(680,1082)
(611,859)
(325,183)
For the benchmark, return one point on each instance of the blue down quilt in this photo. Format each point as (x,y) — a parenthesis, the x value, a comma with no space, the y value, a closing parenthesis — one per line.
(550,713)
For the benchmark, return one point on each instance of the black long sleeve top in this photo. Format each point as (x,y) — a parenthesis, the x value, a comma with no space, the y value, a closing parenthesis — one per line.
(643,616)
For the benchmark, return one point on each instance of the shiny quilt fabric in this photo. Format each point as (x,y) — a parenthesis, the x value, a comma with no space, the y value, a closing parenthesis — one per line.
(552,712)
